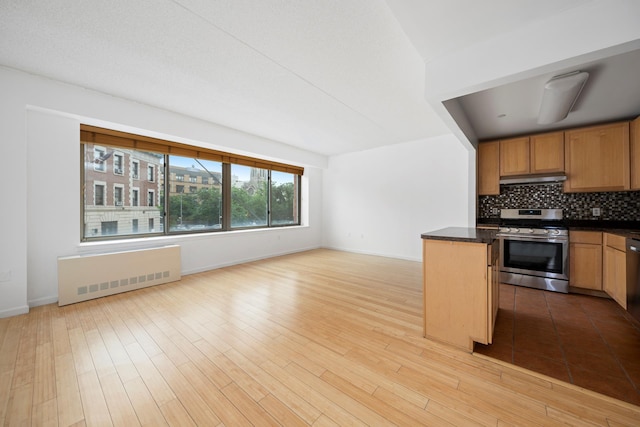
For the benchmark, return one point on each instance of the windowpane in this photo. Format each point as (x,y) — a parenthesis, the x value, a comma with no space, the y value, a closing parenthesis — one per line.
(284,198)
(111,205)
(248,196)
(199,209)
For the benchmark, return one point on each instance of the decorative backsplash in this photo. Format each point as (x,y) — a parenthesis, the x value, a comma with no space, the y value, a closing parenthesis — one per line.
(614,206)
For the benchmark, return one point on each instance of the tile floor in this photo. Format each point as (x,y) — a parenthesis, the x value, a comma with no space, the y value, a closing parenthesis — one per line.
(584,340)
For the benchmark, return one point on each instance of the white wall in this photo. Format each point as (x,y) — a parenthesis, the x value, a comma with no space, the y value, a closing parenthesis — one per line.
(380,201)
(40,203)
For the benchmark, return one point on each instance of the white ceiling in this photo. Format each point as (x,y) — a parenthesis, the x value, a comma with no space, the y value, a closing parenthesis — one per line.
(328,76)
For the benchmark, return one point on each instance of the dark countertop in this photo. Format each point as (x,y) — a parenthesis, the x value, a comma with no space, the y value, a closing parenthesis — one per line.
(462,234)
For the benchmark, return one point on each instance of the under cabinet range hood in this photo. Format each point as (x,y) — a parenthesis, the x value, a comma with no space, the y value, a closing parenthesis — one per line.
(532,179)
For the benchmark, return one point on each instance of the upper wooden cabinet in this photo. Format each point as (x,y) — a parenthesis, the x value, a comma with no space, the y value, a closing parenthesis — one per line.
(488,167)
(597,158)
(514,156)
(547,153)
(536,154)
(634,142)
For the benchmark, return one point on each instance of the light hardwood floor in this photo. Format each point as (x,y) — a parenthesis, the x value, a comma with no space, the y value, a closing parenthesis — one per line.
(321,338)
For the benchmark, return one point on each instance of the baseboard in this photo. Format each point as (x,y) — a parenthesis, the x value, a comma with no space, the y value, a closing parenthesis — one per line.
(43,301)
(14,311)
(361,252)
(246,260)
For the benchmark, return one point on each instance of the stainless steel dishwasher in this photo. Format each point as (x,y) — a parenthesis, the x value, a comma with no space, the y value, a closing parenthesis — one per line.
(633,277)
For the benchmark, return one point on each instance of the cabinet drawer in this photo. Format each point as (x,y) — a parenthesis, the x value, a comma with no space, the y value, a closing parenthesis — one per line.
(615,241)
(593,237)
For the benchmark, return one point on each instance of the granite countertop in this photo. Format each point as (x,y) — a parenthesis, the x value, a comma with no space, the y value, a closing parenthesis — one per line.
(462,234)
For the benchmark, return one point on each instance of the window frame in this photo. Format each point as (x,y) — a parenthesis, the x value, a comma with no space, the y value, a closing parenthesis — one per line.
(125,144)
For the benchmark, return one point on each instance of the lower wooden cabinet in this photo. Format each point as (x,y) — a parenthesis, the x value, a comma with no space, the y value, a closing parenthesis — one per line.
(614,275)
(585,259)
(461,292)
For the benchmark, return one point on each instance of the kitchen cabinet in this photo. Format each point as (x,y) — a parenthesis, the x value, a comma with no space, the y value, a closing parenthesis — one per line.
(546,153)
(514,156)
(597,158)
(536,154)
(614,276)
(461,291)
(585,259)
(488,168)
(634,151)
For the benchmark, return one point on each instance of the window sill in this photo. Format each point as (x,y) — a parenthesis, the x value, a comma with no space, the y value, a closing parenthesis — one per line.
(104,246)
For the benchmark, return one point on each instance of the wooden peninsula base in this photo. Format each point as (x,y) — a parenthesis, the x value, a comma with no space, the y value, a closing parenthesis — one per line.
(461,288)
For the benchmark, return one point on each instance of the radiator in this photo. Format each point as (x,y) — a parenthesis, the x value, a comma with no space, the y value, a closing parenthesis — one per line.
(82,278)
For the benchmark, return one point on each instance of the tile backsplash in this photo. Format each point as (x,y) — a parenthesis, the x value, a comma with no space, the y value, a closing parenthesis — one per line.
(614,206)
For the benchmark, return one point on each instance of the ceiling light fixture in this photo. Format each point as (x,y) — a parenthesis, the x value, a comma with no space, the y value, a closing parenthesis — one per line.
(560,93)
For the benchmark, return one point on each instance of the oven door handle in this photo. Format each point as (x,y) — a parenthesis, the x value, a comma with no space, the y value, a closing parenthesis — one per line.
(546,238)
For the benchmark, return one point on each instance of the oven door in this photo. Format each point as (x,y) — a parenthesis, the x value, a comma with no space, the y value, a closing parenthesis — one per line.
(535,256)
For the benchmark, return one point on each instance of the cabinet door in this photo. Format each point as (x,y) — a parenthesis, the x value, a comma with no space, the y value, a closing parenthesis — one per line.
(634,142)
(585,266)
(615,275)
(547,153)
(514,156)
(488,168)
(597,158)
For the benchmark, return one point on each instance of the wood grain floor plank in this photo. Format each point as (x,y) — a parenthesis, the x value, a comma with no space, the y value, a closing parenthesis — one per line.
(93,401)
(144,405)
(118,403)
(44,374)
(67,391)
(198,410)
(19,406)
(175,414)
(249,407)
(45,413)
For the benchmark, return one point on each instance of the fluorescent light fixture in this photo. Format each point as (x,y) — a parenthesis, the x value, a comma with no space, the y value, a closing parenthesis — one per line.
(560,93)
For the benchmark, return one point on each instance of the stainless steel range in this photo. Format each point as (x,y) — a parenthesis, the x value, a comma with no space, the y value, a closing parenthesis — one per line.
(534,249)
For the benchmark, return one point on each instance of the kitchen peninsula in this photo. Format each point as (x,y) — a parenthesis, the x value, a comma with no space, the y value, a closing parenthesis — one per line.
(460,285)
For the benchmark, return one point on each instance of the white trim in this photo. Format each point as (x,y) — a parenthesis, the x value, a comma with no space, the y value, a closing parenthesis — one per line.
(23,309)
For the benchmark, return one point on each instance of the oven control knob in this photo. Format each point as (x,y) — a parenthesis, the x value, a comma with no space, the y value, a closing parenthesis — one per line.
(545,231)
(531,231)
(555,232)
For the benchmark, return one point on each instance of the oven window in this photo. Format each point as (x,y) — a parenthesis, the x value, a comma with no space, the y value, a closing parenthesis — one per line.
(535,256)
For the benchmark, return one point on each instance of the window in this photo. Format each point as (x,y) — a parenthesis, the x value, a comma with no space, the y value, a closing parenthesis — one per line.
(99,158)
(109,228)
(135,197)
(199,209)
(98,194)
(284,198)
(102,192)
(248,197)
(259,193)
(118,161)
(117,194)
